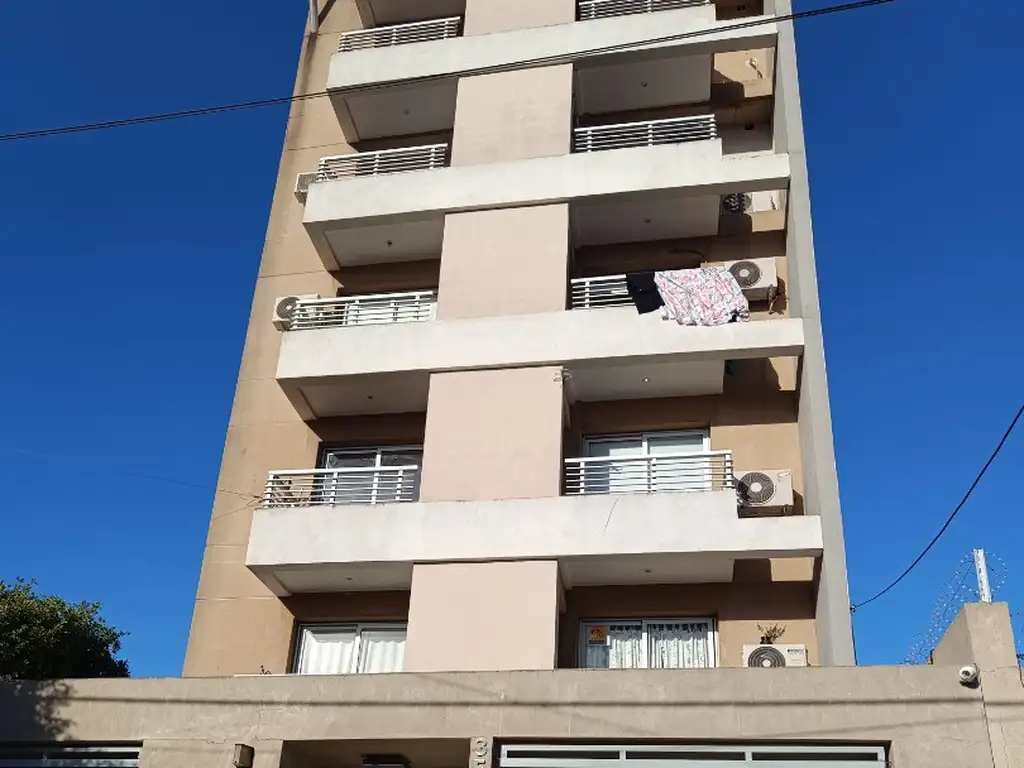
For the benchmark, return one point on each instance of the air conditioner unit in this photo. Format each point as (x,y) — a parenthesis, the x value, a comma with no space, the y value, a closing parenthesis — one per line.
(765,489)
(302,182)
(774,656)
(757,278)
(284,308)
(749,202)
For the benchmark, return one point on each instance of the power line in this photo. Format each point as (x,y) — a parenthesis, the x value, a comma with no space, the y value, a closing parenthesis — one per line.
(952,516)
(143,475)
(526,64)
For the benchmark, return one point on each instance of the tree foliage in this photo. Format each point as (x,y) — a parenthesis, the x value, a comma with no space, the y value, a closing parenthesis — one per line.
(43,637)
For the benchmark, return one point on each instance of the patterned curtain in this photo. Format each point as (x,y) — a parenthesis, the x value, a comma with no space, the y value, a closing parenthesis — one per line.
(678,645)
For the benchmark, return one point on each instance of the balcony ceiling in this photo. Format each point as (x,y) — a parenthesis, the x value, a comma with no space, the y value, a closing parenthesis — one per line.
(646,380)
(403,11)
(405,240)
(651,217)
(619,86)
(397,111)
(355,395)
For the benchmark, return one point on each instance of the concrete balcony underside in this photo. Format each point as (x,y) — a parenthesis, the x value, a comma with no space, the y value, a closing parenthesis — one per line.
(610,354)
(401,216)
(412,88)
(605,539)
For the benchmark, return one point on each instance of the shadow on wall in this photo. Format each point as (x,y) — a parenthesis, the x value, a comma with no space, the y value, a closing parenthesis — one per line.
(30,710)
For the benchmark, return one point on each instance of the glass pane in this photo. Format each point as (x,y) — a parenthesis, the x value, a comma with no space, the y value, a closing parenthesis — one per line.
(383,650)
(401,458)
(615,448)
(612,646)
(684,442)
(349,459)
(327,651)
(611,476)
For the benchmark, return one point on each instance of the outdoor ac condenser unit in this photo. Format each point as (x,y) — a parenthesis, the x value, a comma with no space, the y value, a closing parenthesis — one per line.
(302,182)
(774,655)
(757,278)
(765,488)
(284,308)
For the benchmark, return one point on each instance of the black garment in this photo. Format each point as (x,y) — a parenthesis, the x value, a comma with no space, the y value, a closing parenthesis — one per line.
(644,292)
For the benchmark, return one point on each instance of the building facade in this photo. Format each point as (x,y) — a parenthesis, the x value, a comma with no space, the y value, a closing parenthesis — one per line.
(477,510)
(455,443)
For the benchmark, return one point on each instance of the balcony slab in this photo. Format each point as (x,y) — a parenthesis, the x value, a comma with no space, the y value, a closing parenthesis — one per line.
(600,539)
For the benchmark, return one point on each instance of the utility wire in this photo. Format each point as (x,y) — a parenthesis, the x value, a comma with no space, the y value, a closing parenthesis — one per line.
(143,475)
(527,64)
(952,517)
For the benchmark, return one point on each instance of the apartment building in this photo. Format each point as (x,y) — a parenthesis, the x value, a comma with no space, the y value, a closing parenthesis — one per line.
(455,421)
(475,509)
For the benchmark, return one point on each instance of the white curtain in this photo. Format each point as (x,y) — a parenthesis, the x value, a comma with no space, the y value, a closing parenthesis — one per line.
(621,648)
(327,651)
(381,650)
(678,646)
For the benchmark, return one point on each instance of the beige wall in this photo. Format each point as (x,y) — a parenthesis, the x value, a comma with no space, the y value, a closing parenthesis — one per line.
(923,714)
(493,435)
(264,431)
(486,16)
(504,262)
(738,607)
(513,115)
(483,616)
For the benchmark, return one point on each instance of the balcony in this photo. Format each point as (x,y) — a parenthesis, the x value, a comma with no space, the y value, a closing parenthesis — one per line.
(338,487)
(611,354)
(647,133)
(618,538)
(588,10)
(673,172)
(662,473)
(365,309)
(400,34)
(381,89)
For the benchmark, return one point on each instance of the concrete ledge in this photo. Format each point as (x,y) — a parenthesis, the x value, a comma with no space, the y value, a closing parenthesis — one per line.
(615,538)
(569,42)
(693,168)
(928,719)
(603,336)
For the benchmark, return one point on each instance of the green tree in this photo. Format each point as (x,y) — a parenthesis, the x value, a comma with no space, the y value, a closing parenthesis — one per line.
(43,637)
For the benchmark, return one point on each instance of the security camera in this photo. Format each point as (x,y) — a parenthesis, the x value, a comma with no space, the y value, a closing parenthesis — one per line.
(969,675)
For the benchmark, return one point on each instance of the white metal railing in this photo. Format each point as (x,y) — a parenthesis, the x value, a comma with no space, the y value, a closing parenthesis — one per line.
(400,34)
(382,161)
(602,9)
(368,309)
(335,487)
(673,130)
(670,472)
(596,292)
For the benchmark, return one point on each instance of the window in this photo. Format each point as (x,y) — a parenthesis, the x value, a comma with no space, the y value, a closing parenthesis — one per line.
(372,475)
(648,644)
(344,649)
(648,463)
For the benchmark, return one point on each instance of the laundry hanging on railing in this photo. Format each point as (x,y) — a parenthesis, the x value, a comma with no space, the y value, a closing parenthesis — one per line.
(704,296)
(643,291)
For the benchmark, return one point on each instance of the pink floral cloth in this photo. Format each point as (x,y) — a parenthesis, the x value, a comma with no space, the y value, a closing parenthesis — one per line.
(705,296)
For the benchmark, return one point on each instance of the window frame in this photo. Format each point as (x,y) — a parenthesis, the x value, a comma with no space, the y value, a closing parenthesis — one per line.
(358,627)
(378,451)
(645,437)
(712,624)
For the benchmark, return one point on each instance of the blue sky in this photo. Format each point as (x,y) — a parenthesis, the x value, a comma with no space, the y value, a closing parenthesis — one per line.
(128,257)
